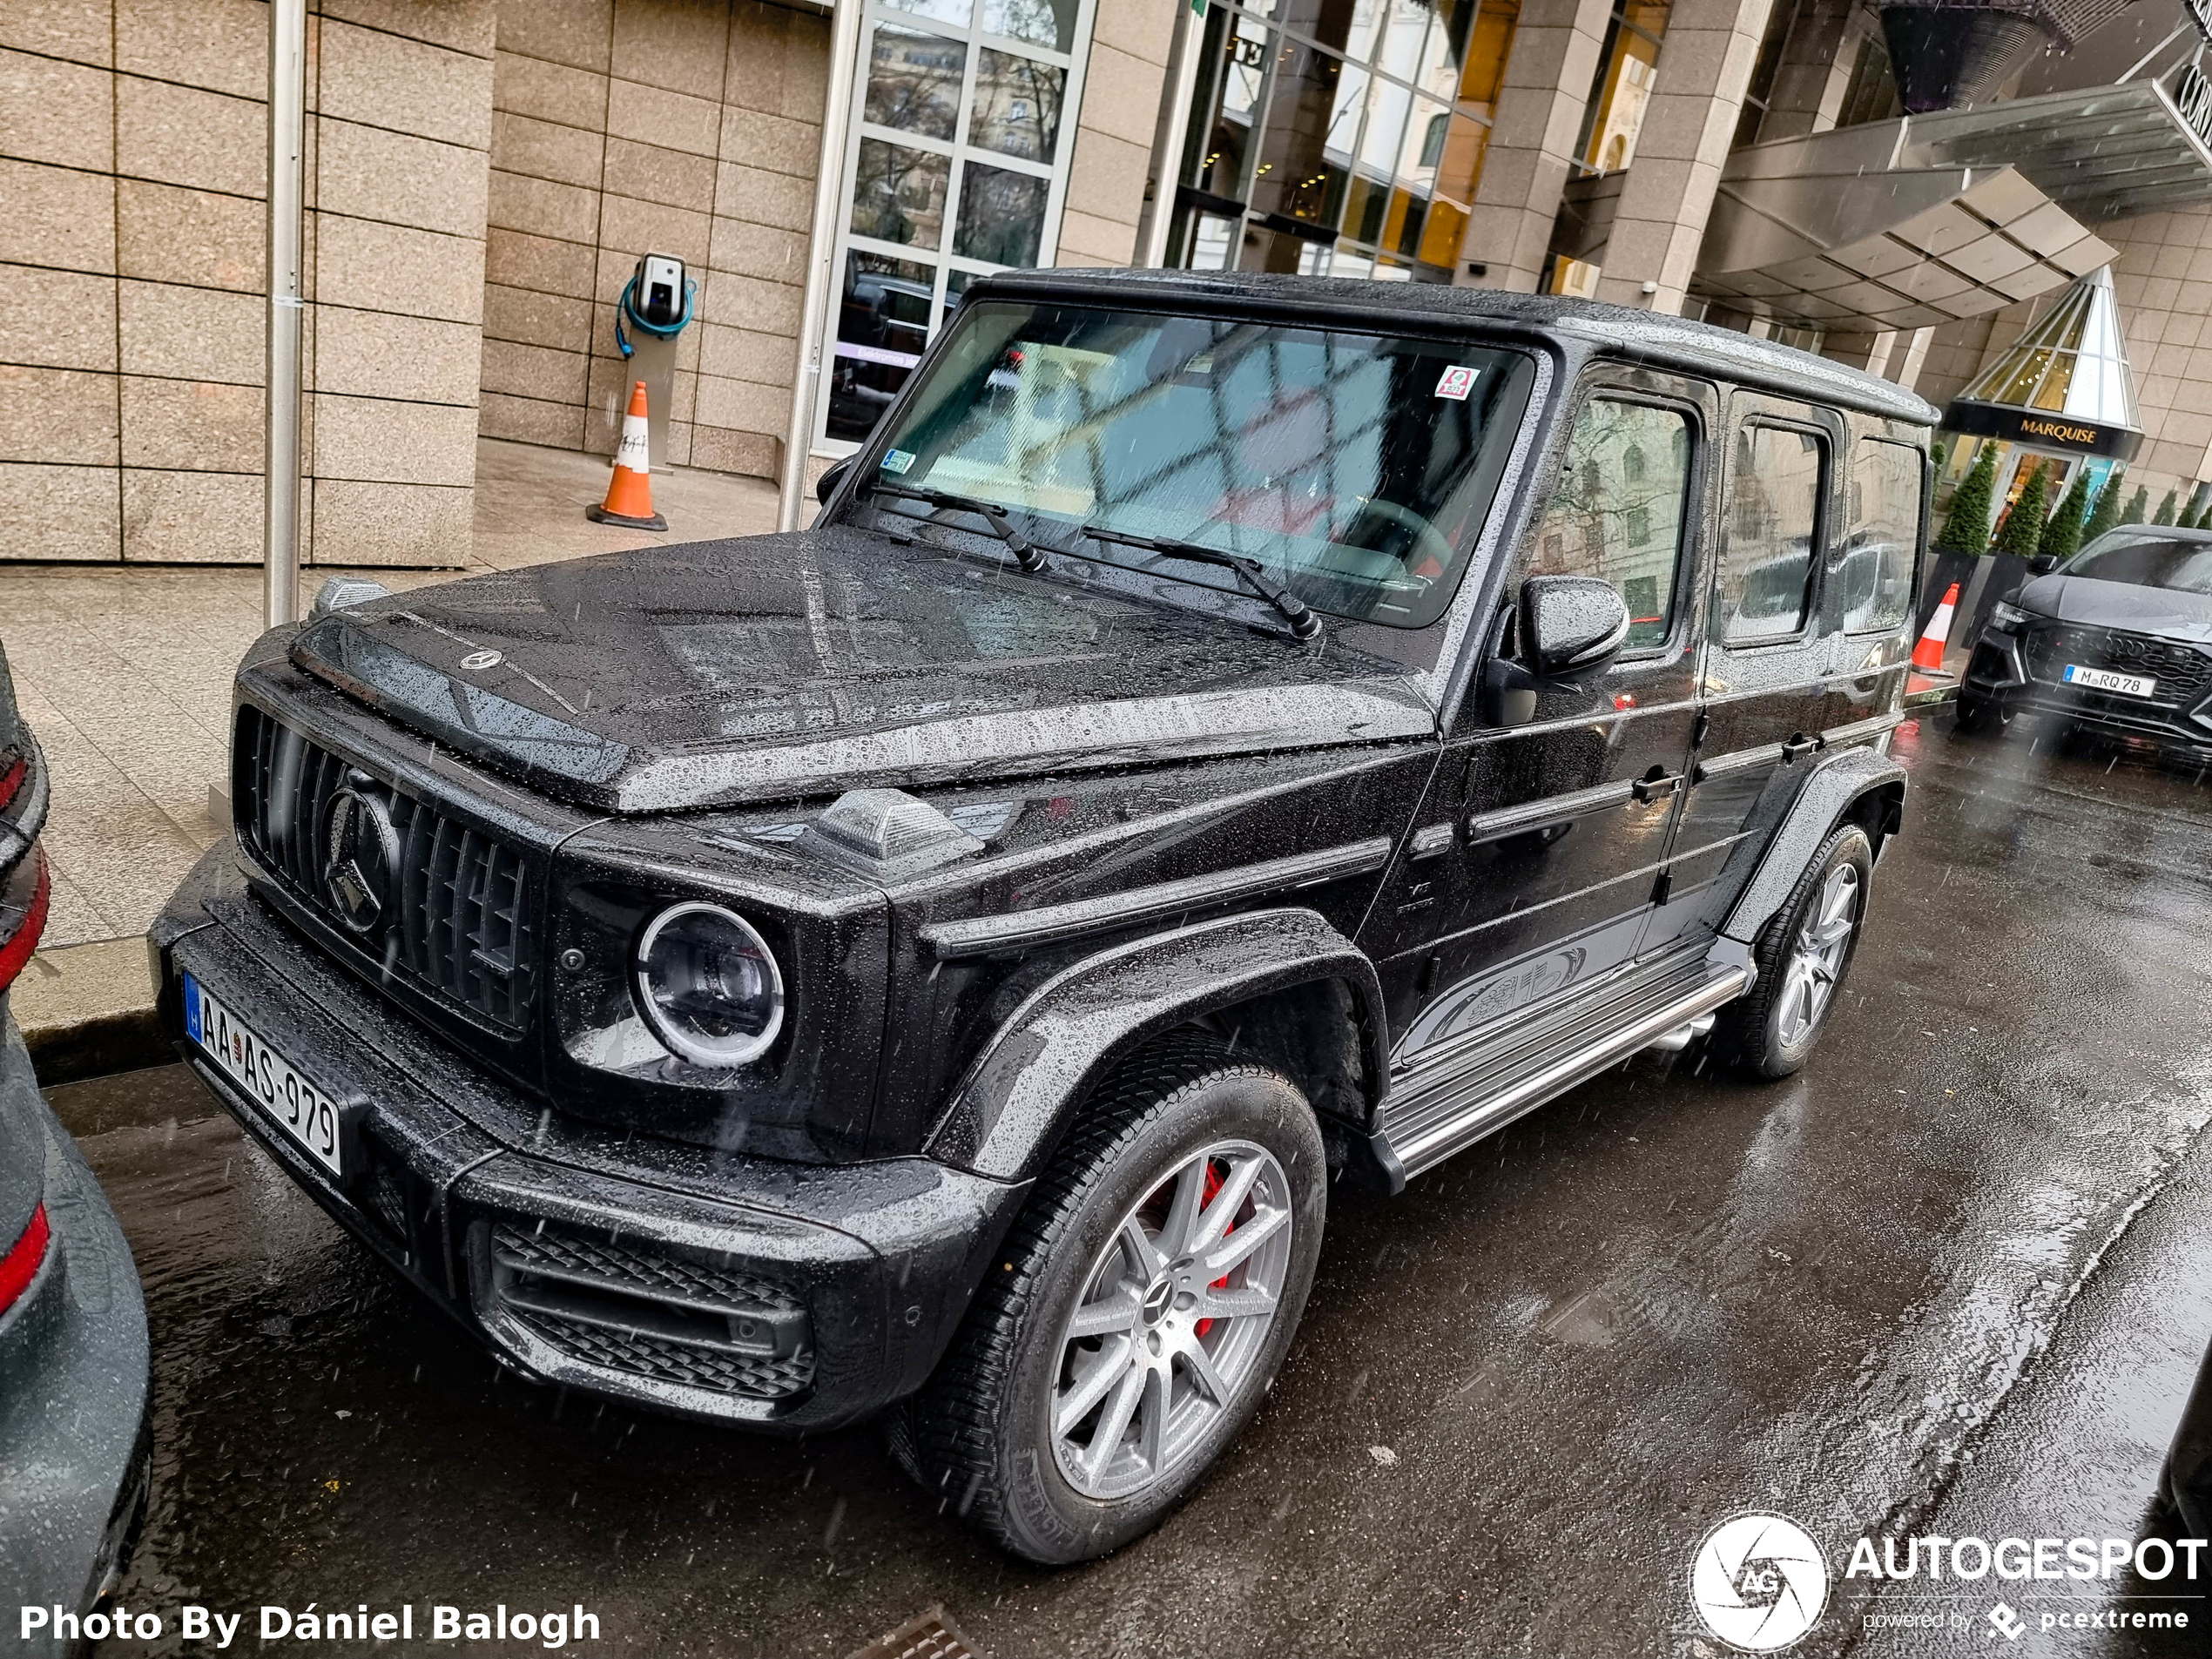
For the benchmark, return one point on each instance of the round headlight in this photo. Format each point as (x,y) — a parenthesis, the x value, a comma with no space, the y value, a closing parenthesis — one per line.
(707,985)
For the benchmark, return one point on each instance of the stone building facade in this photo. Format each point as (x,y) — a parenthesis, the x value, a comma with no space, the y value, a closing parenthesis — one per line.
(482,174)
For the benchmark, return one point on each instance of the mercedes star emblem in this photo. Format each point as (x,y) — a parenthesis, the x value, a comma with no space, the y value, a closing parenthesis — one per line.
(361,856)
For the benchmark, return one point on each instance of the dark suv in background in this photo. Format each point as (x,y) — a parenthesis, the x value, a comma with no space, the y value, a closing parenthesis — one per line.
(2117,640)
(1219,735)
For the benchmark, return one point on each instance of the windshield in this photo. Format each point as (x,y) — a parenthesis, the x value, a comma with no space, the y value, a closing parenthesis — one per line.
(1354,468)
(2146,559)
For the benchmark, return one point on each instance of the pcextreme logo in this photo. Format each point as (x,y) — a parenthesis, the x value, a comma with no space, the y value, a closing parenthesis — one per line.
(1759,1582)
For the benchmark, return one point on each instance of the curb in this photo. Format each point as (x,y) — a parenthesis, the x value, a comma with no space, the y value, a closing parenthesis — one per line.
(87,1011)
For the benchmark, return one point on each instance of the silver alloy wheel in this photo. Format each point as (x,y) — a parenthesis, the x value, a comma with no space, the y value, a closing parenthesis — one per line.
(1173,1318)
(1818,958)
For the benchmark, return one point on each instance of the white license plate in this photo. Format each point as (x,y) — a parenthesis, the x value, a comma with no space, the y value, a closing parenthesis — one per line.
(2103,679)
(285,1094)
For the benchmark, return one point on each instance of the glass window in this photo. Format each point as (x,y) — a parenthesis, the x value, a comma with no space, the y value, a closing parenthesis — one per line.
(1348,464)
(955,12)
(1018,105)
(1870,574)
(882,325)
(913,81)
(1002,216)
(1618,511)
(1050,24)
(899,194)
(1369,118)
(1773,516)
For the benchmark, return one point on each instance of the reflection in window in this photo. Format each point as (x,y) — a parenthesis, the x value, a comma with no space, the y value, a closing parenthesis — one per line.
(882,325)
(1328,455)
(899,194)
(1870,574)
(1050,24)
(1002,216)
(955,12)
(1617,512)
(913,81)
(1018,105)
(1367,118)
(1773,516)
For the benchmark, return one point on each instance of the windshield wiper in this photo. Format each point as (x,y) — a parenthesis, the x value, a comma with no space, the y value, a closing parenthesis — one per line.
(1304,624)
(1025,554)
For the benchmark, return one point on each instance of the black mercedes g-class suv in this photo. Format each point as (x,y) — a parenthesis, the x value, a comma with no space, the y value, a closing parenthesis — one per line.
(1220,736)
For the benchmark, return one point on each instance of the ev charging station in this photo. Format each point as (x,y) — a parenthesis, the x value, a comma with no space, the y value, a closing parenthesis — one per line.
(655,307)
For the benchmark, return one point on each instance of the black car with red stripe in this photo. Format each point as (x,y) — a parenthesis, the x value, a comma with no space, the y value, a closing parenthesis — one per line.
(73,1354)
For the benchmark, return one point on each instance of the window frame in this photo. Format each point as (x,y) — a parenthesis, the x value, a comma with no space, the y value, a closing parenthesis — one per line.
(1689,545)
(1825,434)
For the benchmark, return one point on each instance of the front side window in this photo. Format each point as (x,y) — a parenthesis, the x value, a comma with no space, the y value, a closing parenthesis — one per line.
(1356,469)
(1618,511)
(1869,571)
(1773,518)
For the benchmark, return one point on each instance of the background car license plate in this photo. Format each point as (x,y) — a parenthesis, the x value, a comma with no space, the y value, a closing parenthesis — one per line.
(299,1108)
(2103,679)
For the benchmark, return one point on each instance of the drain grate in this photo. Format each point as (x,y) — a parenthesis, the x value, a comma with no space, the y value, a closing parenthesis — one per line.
(926,1636)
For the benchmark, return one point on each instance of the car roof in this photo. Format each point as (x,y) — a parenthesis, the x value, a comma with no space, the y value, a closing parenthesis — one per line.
(1649,337)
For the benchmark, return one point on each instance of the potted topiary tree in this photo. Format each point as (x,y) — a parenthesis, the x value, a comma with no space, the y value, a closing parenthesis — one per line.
(2063,534)
(2105,513)
(2019,538)
(2138,504)
(2165,514)
(1964,538)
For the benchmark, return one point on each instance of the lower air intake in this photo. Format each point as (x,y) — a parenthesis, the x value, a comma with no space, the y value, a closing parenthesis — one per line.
(634,1309)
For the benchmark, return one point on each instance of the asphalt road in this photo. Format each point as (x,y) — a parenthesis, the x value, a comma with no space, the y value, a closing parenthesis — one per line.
(1952,1277)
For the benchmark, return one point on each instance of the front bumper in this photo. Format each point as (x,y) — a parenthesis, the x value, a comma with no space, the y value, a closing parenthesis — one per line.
(737,1289)
(74,1385)
(1997,671)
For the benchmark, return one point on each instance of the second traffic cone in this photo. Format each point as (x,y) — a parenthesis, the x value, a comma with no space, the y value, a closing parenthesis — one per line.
(630,493)
(1927,655)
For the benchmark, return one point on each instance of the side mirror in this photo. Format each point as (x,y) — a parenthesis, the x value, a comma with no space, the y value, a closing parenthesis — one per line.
(2042,565)
(825,486)
(1569,623)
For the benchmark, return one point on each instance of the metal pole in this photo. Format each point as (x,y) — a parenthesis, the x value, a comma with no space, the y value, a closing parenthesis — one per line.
(821,273)
(280,452)
(1157,215)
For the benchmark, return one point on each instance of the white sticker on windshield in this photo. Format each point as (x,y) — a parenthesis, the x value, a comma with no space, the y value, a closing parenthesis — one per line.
(899,459)
(1458,381)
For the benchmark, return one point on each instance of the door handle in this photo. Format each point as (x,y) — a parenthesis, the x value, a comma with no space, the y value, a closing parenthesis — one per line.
(1799,745)
(1656,787)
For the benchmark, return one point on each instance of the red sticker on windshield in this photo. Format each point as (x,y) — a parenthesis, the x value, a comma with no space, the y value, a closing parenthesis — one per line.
(1456,384)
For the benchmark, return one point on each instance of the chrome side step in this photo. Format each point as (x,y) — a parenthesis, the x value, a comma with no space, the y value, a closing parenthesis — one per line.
(1428,1119)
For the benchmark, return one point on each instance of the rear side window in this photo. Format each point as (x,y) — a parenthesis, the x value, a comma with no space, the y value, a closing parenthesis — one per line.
(1869,571)
(1618,512)
(1773,521)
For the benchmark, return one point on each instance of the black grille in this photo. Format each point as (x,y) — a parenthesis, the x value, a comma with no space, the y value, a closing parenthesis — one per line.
(2182,671)
(464,925)
(636,1311)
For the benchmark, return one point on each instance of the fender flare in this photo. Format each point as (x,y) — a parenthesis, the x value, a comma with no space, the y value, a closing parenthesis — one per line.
(1038,1067)
(1826,796)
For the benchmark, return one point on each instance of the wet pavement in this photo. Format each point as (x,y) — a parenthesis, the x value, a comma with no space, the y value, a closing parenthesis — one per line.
(1952,1278)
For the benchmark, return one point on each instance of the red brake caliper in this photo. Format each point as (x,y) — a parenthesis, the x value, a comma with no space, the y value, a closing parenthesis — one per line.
(1213,1186)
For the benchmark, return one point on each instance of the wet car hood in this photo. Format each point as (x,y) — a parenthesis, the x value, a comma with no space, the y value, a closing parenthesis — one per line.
(2121,604)
(781,666)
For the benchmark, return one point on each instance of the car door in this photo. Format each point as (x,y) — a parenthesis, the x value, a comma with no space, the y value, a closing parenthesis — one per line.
(1772,681)
(1532,863)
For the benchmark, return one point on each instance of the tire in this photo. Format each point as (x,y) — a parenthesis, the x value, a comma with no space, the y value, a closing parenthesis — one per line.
(980,1433)
(1802,962)
(1977,716)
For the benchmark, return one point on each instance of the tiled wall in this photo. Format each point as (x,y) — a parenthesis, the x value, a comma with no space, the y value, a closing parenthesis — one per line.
(132,143)
(1114,130)
(2163,282)
(621,127)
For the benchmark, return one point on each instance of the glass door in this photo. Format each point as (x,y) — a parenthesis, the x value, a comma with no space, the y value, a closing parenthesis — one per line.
(963,123)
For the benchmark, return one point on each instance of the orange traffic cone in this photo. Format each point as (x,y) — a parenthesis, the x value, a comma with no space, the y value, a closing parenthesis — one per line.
(630,492)
(1927,655)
